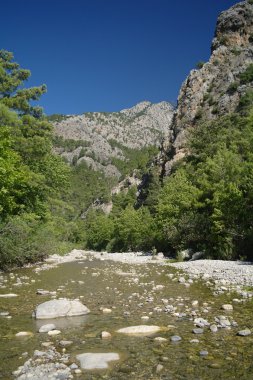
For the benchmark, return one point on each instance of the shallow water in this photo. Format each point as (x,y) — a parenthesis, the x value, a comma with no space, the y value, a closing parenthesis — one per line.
(109,284)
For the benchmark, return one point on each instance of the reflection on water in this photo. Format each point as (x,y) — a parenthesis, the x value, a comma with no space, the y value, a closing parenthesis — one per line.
(64,323)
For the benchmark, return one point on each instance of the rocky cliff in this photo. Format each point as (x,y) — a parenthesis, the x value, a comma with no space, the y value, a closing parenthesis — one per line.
(215,89)
(97,137)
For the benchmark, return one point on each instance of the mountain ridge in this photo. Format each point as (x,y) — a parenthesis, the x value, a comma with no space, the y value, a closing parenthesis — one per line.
(98,137)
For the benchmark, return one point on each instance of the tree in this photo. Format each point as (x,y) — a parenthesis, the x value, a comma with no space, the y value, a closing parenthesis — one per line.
(31,176)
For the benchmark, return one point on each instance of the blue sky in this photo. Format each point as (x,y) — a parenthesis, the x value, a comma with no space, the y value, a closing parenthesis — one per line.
(105,55)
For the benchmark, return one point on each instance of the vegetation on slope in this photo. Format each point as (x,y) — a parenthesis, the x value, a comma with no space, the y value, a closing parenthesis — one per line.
(206,204)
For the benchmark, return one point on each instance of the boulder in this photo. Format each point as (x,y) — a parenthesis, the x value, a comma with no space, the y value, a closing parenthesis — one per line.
(60,308)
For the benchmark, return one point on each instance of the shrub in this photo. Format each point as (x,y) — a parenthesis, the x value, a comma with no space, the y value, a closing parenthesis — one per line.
(232,88)
(246,102)
(247,75)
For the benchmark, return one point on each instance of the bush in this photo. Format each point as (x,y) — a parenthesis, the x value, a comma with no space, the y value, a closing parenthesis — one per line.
(247,75)
(232,88)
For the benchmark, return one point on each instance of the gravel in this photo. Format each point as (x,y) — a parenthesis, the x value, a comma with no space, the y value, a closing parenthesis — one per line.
(226,272)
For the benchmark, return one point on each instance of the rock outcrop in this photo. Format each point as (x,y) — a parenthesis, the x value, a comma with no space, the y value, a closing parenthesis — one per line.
(214,89)
(101,136)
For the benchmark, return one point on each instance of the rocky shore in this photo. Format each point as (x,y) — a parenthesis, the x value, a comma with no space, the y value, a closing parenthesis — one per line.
(220,271)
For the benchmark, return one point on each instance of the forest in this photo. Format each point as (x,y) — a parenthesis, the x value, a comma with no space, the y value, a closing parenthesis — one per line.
(204,205)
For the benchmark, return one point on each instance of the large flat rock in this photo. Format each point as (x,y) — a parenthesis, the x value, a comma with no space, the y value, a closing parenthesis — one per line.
(90,361)
(60,308)
(139,330)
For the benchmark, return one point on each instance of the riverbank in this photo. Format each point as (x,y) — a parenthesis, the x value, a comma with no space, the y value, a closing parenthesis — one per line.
(235,273)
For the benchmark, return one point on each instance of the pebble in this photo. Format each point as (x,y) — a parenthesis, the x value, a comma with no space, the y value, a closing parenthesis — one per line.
(198,331)
(159,368)
(160,339)
(73,366)
(54,332)
(46,328)
(105,335)
(24,333)
(47,344)
(4,313)
(213,328)
(245,332)
(106,311)
(203,353)
(175,338)
(65,343)
(227,307)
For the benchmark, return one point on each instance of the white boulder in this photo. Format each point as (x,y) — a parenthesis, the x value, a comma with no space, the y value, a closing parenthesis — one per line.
(60,308)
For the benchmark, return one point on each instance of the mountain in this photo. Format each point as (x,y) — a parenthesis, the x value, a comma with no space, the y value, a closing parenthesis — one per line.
(101,139)
(216,88)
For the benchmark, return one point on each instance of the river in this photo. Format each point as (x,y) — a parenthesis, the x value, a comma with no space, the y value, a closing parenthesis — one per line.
(135,295)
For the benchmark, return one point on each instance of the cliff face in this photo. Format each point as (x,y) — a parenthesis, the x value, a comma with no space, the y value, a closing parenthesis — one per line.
(97,137)
(214,89)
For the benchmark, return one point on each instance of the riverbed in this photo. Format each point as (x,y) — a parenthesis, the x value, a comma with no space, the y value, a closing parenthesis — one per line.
(123,294)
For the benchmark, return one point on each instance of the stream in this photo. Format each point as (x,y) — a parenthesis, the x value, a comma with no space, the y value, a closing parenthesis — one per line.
(135,295)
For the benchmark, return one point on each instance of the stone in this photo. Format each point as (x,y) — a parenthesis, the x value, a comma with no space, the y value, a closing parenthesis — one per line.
(4,313)
(159,368)
(227,307)
(47,328)
(198,331)
(105,335)
(106,311)
(54,332)
(203,353)
(73,366)
(139,330)
(175,338)
(65,343)
(9,295)
(245,332)
(194,341)
(145,318)
(24,334)
(47,344)
(60,308)
(160,339)
(42,292)
(213,328)
(201,322)
(91,361)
